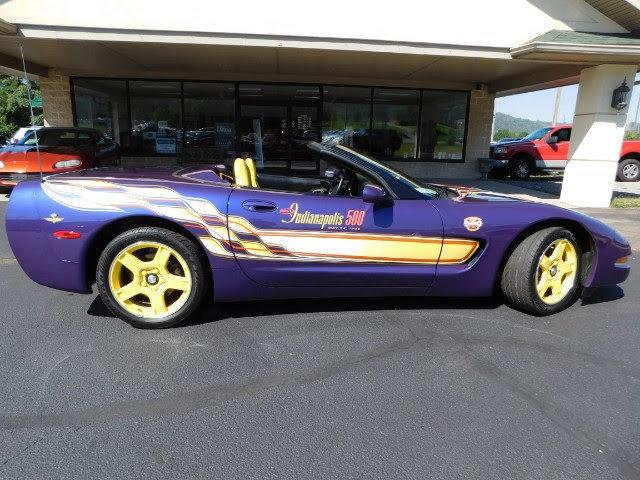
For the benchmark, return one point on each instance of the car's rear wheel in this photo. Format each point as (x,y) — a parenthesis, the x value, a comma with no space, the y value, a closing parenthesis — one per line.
(542,275)
(629,170)
(151,277)
(520,168)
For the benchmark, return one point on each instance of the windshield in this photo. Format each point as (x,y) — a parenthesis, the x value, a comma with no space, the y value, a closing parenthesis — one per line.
(59,138)
(422,187)
(538,134)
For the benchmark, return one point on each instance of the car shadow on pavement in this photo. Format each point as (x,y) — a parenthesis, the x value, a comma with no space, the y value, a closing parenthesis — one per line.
(214,312)
(602,295)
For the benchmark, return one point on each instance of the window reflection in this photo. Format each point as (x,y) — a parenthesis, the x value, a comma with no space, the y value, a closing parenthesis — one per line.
(156,125)
(276,120)
(395,123)
(209,121)
(443,125)
(102,104)
(347,112)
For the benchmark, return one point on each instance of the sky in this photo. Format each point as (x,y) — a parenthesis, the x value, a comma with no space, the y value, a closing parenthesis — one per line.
(539,105)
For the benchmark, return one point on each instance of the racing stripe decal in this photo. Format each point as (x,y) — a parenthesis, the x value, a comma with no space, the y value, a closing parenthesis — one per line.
(236,236)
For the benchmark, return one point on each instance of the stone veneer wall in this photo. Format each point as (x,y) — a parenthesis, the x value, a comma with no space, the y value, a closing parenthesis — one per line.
(56,99)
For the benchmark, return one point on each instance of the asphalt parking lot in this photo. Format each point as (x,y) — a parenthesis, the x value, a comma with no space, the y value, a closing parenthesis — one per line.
(431,388)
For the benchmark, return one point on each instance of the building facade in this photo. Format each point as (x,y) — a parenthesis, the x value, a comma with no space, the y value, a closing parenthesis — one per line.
(200,81)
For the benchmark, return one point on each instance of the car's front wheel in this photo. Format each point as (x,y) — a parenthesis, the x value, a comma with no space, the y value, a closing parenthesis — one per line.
(629,170)
(542,275)
(151,277)
(520,168)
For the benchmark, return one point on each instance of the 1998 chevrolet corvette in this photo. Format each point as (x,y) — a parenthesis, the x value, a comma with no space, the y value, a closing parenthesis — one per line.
(157,242)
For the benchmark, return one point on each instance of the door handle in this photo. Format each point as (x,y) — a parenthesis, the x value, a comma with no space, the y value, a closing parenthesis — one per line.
(258,206)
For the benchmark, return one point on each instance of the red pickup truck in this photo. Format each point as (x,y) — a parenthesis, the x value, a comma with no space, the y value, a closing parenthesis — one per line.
(548,149)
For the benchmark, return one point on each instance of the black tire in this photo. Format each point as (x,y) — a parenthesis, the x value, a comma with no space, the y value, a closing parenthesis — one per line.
(182,245)
(518,281)
(521,168)
(629,170)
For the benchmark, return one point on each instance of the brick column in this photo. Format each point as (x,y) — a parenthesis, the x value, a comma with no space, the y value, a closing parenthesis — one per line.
(479,128)
(56,99)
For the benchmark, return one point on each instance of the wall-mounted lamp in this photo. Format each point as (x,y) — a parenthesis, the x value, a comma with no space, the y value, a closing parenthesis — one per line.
(619,100)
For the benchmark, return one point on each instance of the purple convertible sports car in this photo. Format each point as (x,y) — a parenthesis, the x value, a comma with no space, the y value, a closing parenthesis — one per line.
(157,242)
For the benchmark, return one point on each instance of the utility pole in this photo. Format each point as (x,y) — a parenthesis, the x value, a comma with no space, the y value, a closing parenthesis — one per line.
(557,107)
(493,123)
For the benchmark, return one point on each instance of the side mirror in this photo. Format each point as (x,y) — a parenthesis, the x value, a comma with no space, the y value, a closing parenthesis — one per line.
(373,194)
(552,139)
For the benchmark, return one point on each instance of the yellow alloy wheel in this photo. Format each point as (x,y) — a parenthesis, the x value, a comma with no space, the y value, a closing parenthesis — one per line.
(150,280)
(556,273)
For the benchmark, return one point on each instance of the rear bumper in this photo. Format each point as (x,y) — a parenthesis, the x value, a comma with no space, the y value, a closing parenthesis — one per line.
(32,246)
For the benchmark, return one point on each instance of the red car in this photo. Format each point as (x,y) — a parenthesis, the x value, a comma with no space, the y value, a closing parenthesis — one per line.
(548,149)
(61,150)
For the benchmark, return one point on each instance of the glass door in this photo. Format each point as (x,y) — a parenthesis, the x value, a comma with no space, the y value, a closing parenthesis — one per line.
(263,135)
(276,122)
(305,126)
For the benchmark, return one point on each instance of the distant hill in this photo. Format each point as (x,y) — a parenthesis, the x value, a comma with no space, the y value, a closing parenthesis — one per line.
(516,124)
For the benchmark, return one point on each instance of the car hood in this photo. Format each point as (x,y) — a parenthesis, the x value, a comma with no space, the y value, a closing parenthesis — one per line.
(506,209)
(475,195)
(14,159)
(25,158)
(514,143)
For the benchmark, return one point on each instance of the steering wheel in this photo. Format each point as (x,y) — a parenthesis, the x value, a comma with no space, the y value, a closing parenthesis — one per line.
(337,181)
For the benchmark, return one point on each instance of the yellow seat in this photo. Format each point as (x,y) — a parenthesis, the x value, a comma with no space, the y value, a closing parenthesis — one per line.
(241,173)
(253,175)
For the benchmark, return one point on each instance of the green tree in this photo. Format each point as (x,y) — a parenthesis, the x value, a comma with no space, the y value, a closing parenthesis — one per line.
(14,105)
(503,133)
(631,135)
(506,133)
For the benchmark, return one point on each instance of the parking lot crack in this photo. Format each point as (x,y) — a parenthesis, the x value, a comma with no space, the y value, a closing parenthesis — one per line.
(184,402)
(598,442)
(22,451)
(615,366)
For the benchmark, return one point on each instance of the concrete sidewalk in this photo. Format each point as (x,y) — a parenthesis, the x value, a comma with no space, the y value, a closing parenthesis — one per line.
(625,220)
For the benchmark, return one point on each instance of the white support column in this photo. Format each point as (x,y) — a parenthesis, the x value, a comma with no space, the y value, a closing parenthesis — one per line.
(596,137)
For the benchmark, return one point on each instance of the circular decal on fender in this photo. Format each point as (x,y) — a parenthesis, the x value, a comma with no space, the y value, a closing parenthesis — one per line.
(472,223)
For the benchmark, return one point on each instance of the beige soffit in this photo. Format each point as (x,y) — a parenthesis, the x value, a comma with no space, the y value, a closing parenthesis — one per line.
(7,28)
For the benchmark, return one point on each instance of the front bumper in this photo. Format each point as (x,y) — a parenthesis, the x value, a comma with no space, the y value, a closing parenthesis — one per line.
(495,163)
(606,269)
(11,179)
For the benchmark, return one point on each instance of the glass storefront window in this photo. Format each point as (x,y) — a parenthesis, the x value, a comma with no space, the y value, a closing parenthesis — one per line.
(156,118)
(395,123)
(347,116)
(102,104)
(443,125)
(276,122)
(209,121)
